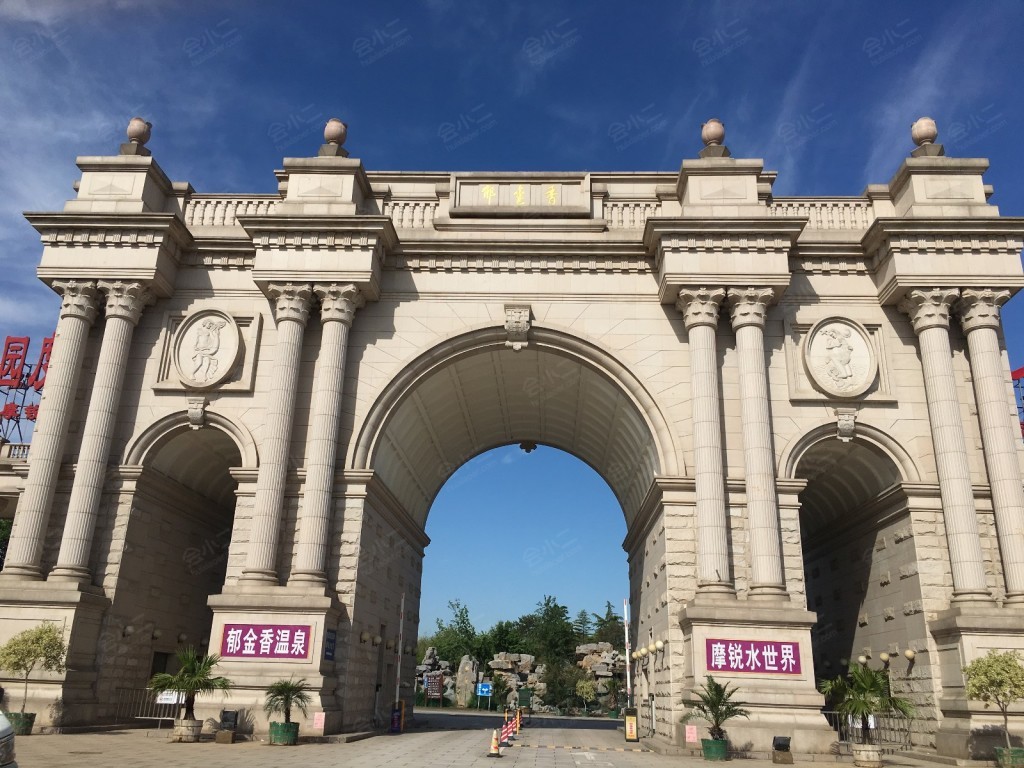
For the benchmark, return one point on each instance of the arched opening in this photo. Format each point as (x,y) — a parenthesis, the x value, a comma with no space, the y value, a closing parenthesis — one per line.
(473,394)
(860,562)
(175,550)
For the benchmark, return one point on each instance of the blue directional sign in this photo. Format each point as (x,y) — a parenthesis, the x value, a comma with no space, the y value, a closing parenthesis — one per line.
(484,689)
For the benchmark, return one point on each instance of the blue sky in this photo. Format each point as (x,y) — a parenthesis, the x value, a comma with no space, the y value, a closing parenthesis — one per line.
(825,92)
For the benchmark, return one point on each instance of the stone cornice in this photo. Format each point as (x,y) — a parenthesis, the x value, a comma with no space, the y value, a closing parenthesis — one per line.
(153,244)
(662,489)
(319,232)
(764,232)
(906,253)
(367,484)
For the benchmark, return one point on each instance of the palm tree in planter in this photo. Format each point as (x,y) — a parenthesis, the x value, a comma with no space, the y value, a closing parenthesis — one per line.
(194,676)
(998,678)
(281,697)
(41,647)
(715,704)
(862,693)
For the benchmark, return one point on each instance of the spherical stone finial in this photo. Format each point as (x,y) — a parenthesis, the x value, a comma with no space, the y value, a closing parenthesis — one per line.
(335,131)
(924,131)
(139,131)
(712,133)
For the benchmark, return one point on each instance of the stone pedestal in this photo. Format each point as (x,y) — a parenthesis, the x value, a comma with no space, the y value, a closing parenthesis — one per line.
(969,731)
(779,704)
(260,604)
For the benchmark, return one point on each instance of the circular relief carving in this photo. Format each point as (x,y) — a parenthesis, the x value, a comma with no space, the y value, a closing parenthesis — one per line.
(206,348)
(839,357)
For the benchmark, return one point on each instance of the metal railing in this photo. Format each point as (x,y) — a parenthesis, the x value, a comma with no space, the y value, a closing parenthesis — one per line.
(893,733)
(144,704)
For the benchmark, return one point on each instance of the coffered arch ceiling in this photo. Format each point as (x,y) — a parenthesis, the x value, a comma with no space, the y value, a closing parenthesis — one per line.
(842,477)
(488,395)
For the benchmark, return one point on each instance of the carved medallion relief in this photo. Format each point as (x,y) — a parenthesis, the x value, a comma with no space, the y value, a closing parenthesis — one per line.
(206,348)
(839,358)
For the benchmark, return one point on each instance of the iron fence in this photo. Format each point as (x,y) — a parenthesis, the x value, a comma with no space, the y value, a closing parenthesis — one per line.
(144,704)
(893,733)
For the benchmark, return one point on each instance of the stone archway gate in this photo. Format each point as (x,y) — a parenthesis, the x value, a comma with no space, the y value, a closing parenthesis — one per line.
(362,334)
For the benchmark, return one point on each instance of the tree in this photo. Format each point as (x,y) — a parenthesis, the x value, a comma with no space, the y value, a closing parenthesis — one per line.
(285,694)
(714,703)
(194,676)
(560,677)
(586,689)
(864,692)
(41,647)
(996,678)
(583,626)
(555,636)
(608,628)
(5,537)
(500,691)
(457,638)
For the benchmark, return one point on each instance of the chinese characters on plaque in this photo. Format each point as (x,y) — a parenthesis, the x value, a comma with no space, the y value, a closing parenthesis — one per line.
(265,641)
(770,656)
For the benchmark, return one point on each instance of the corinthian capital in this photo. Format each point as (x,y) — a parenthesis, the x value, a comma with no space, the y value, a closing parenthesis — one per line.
(292,301)
(980,308)
(749,306)
(929,309)
(126,300)
(700,306)
(78,299)
(338,302)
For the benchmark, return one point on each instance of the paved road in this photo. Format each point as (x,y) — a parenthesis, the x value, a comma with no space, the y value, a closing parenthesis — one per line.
(438,742)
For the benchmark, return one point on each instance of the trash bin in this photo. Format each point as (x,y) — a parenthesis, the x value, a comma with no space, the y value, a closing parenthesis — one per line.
(526,699)
(780,751)
(229,720)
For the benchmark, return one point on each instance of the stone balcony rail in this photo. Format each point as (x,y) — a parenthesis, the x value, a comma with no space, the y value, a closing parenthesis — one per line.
(14,451)
(826,213)
(822,213)
(221,210)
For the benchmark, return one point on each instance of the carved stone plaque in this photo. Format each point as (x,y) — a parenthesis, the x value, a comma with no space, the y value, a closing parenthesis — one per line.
(206,348)
(839,357)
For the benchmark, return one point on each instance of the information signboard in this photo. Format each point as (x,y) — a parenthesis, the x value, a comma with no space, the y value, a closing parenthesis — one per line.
(632,730)
(484,689)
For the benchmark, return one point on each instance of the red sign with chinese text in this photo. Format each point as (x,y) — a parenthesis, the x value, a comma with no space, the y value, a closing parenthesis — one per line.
(265,641)
(764,656)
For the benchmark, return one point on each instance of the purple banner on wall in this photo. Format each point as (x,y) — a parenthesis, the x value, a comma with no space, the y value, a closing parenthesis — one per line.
(265,641)
(773,657)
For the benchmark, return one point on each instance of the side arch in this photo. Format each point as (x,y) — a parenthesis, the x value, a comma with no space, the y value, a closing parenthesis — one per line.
(157,434)
(865,434)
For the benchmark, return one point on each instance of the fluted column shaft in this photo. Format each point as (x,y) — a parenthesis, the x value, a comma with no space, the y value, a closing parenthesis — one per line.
(291,309)
(700,314)
(748,310)
(338,304)
(77,313)
(125,302)
(1000,435)
(929,313)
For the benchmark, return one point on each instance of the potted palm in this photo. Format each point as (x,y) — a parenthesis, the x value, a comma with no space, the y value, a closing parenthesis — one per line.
(41,647)
(998,677)
(194,676)
(281,697)
(860,694)
(715,704)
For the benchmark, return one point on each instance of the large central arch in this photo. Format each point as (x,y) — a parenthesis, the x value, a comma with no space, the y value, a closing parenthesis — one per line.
(472,393)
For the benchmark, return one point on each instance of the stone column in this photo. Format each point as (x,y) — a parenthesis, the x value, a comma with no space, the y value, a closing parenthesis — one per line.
(77,313)
(338,304)
(748,309)
(700,314)
(1000,435)
(929,313)
(125,302)
(291,310)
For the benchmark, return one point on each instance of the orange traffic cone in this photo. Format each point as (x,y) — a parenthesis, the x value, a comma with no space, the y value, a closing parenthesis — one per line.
(495,749)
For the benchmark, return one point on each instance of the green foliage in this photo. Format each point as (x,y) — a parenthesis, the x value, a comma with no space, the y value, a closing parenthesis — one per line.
(863,692)
(561,677)
(194,676)
(613,685)
(555,637)
(608,628)
(586,689)
(456,638)
(5,537)
(41,647)
(997,677)
(500,690)
(285,694)
(714,703)
(583,626)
